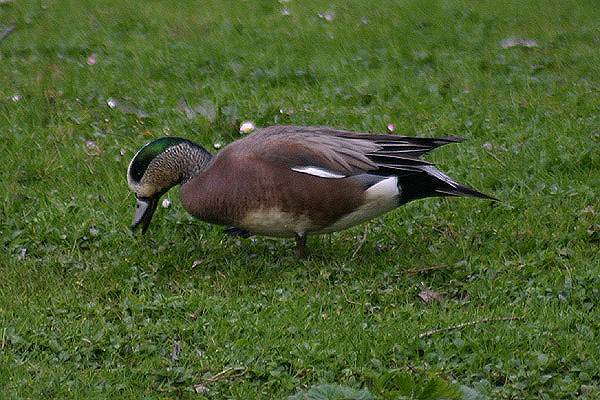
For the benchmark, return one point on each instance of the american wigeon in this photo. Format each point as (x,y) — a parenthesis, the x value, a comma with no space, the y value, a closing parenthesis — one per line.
(290,181)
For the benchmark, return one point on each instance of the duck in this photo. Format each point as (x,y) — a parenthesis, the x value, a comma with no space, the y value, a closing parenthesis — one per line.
(290,181)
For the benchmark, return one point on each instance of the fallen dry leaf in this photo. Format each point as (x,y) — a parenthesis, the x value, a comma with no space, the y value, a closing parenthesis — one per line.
(430,296)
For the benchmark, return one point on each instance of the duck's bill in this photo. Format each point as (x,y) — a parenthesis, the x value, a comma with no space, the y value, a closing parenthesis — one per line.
(143,213)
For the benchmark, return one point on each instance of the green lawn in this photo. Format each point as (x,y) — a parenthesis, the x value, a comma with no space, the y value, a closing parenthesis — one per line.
(89,310)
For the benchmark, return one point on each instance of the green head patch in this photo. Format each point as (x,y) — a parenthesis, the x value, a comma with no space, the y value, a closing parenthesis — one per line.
(144,157)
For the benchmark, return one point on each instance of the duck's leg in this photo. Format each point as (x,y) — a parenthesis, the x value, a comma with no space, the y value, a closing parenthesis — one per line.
(300,246)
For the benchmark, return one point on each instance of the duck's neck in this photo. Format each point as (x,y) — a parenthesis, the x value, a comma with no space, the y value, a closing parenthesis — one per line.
(194,159)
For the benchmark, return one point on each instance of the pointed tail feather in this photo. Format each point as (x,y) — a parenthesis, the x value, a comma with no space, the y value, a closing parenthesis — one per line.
(433,182)
(465,191)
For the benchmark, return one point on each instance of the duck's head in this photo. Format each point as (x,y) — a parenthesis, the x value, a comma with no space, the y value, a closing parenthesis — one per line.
(159,166)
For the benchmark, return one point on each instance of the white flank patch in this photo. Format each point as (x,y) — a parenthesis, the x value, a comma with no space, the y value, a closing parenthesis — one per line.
(320,172)
(380,198)
(440,175)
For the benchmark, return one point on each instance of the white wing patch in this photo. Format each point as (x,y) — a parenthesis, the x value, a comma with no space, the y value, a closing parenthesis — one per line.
(320,172)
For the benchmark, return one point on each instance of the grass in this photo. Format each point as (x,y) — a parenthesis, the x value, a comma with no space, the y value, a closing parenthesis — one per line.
(88,310)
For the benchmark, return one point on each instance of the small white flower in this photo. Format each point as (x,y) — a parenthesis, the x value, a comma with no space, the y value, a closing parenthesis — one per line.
(217,145)
(166,203)
(390,127)
(247,126)
(111,102)
(16,98)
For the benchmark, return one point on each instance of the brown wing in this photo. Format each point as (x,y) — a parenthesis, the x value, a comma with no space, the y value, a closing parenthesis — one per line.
(367,156)
(339,151)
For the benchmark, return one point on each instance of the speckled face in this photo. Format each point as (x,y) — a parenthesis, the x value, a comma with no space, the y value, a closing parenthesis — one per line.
(143,176)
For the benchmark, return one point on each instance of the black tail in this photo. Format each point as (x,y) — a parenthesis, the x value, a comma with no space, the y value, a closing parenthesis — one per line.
(417,178)
(430,182)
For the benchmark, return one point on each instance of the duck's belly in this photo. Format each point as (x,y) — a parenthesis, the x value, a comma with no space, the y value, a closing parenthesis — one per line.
(273,221)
